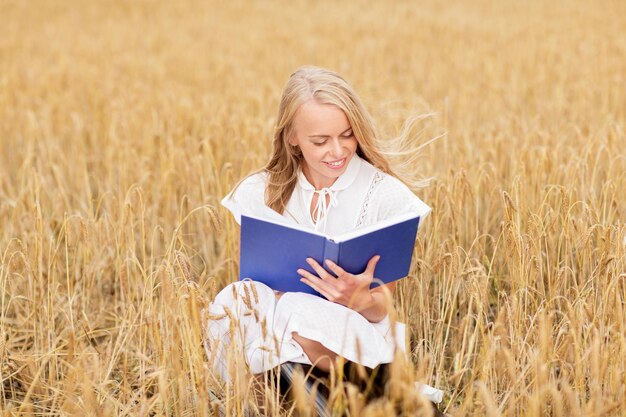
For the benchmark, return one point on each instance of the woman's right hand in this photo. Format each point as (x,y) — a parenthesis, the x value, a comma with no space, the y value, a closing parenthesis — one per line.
(350,290)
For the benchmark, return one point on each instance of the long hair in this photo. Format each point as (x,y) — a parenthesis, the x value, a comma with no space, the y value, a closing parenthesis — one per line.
(326,87)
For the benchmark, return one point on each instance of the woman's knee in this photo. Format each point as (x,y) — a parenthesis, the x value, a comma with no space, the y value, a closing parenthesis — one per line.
(319,355)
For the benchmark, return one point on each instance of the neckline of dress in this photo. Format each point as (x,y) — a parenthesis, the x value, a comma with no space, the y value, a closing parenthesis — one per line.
(322,208)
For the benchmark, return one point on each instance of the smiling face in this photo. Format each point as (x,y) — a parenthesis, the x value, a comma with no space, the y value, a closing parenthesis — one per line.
(325,137)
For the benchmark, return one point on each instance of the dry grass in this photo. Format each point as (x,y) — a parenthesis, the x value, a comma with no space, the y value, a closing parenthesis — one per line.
(122,124)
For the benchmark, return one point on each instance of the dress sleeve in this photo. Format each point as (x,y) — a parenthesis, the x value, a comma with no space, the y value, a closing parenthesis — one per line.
(247,198)
(393,198)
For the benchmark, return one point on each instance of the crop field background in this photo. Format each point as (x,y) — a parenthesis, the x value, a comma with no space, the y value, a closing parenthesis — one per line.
(123,124)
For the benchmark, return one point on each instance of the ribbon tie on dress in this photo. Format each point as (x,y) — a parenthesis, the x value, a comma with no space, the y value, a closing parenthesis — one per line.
(322,208)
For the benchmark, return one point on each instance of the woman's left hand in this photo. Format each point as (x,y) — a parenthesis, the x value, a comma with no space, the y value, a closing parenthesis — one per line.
(350,290)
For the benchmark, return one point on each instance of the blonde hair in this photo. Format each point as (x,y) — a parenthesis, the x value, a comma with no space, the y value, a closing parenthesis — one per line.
(326,87)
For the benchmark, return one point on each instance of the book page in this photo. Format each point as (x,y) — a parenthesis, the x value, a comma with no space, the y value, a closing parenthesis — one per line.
(368,229)
(288,224)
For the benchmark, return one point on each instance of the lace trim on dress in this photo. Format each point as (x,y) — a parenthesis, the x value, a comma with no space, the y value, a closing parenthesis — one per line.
(376,179)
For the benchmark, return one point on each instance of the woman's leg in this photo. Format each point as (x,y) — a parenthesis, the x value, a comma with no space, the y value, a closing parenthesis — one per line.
(320,356)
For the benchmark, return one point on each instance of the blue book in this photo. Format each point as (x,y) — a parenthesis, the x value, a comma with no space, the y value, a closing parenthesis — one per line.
(272,252)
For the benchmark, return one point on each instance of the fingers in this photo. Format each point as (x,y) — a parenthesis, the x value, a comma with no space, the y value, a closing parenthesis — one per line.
(339,271)
(323,287)
(371,265)
(306,274)
(321,272)
(326,292)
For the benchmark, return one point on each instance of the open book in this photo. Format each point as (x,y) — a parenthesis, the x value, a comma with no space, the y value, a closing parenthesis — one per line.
(272,252)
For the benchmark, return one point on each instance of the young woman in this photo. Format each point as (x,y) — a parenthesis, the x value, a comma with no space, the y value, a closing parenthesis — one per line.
(326,173)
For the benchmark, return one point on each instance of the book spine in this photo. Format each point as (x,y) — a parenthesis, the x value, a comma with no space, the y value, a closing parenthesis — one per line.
(331,251)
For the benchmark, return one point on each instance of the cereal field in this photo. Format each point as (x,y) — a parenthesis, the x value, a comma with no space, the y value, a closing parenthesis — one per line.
(123,123)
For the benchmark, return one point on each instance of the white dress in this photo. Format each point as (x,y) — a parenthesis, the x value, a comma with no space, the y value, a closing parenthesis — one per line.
(248,321)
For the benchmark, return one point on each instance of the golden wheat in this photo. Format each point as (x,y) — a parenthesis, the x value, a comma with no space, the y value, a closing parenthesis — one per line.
(122,124)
